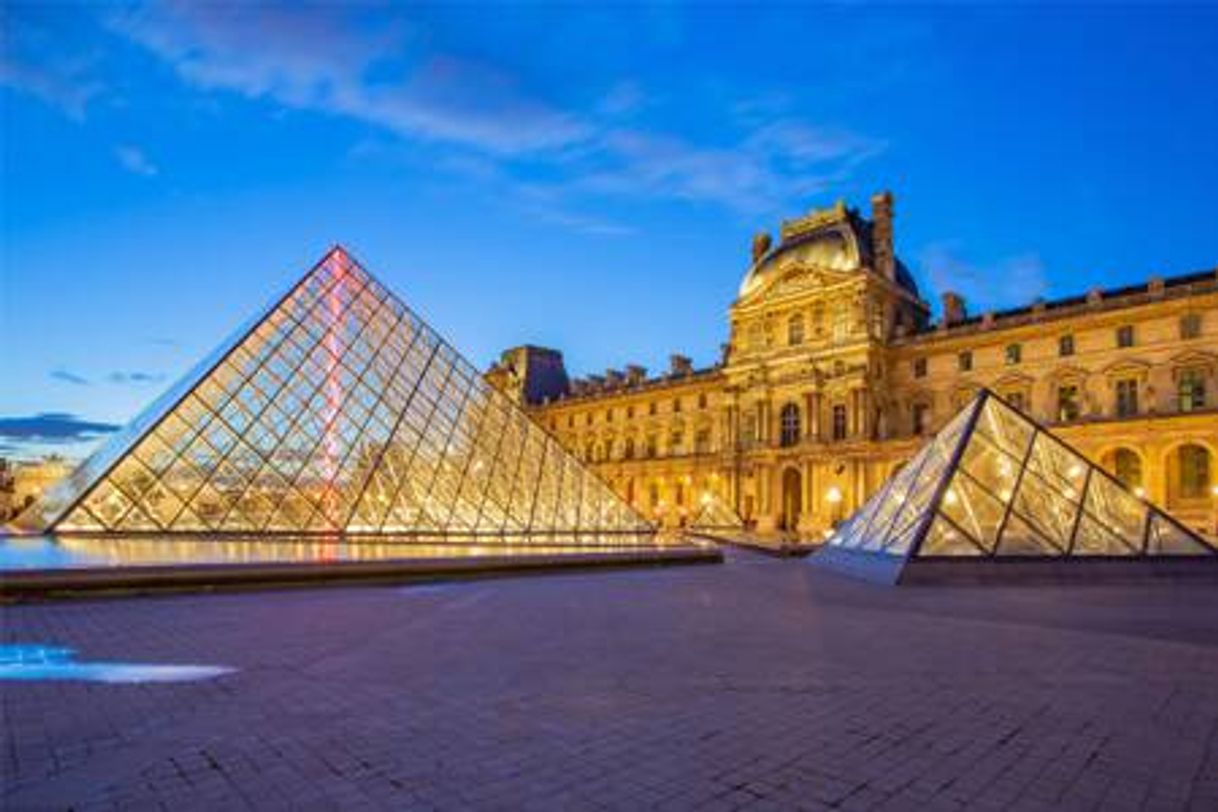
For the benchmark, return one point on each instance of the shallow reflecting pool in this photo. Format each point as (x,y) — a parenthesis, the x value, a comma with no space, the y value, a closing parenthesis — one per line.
(18,553)
(37,663)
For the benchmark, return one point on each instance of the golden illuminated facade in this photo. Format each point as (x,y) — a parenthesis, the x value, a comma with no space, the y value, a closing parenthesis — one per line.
(834,373)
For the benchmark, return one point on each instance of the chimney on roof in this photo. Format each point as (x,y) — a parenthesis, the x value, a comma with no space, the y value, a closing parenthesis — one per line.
(954,309)
(614,378)
(680,365)
(635,374)
(761,245)
(881,235)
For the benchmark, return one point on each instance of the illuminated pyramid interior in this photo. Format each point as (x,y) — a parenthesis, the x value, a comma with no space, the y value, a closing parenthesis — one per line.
(715,513)
(335,410)
(995,485)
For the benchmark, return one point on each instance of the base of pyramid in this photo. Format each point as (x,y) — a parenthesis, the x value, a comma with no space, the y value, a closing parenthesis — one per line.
(408,563)
(893,570)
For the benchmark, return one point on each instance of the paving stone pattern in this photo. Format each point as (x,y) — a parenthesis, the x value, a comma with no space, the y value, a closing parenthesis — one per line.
(759,684)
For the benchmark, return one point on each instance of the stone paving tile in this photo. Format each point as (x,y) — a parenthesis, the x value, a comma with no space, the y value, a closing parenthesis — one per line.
(761,685)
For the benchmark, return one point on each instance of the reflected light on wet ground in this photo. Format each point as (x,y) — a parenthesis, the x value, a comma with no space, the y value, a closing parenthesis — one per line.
(80,552)
(38,663)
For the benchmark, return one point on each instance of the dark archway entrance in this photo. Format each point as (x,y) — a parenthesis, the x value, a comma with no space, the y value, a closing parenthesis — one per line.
(792,501)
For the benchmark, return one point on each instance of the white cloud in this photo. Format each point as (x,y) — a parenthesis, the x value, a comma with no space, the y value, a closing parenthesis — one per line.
(135,161)
(334,60)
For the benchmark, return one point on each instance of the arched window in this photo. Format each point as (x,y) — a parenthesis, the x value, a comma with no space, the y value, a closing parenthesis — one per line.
(1126,466)
(789,425)
(1194,471)
(628,451)
(795,330)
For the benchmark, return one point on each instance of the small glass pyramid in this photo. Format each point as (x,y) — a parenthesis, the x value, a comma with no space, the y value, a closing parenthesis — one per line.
(335,410)
(715,514)
(994,484)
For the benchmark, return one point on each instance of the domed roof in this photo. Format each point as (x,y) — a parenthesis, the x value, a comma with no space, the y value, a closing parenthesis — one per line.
(835,239)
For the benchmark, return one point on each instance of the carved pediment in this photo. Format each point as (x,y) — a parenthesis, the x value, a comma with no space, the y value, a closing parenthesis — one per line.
(799,279)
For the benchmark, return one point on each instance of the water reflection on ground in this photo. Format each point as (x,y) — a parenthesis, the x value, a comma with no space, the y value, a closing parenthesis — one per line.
(37,663)
(79,552)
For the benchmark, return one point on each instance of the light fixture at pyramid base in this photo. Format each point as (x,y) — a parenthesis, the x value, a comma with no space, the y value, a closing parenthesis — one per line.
(336,411)
(995,496)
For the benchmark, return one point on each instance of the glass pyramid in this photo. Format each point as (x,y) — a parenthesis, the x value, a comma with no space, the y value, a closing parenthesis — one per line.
(994,484)
(335,410)
(715,514)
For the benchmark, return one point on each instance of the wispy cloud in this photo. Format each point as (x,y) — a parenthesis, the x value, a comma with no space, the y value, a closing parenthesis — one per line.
(327,59)
(124,378)
(135,161)
(34,60)
(1009,281)
(52,427)
(340,60)
(65,376)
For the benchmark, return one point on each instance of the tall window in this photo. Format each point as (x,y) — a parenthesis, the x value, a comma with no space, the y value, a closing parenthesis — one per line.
(609,415)
(920,411)
(1014,353)
(676,404)
(629,412)
(1065,345)
(651,446)
(748,430)
(628,449)
(1191,390)
(702,401)
(789,425)
(1067,403)
(702,441)
(1194,472)
(841,321)
(795,330)
(1127,468)
(653,494)
(1124,335)
(675,442)
(1127,397)
(651,407)
(964,361)
(1190,325)
(839,422)
(919,368)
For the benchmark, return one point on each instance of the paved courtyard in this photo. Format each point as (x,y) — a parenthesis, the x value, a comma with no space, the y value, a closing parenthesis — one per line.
(758,684)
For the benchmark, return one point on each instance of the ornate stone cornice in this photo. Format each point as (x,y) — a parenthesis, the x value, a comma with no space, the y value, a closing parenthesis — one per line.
(814,219)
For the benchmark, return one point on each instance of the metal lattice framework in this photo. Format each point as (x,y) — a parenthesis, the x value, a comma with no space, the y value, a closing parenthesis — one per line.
(716,514)
(995,484)
(336,410)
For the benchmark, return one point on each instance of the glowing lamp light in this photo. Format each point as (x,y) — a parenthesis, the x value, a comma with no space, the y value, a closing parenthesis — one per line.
(1074,471)
(1139,492)
(950,497)
(706,498)
(833,495)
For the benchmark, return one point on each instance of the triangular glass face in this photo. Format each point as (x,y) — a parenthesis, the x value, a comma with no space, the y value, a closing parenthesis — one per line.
(337,410)
(716,514)
(993,483)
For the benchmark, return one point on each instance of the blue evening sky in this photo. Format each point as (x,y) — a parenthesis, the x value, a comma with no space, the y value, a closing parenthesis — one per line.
(583,177)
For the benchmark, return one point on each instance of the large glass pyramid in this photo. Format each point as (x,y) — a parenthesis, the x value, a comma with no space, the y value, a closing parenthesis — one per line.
(335,410)
(995,485)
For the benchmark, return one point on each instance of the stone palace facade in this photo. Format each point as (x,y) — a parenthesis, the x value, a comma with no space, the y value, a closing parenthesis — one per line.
(834,374)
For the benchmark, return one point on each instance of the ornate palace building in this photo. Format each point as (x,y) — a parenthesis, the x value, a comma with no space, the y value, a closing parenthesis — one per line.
(834,372)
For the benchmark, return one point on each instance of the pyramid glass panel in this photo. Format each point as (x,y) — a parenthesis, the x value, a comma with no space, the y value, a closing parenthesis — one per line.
(994,484)
(335,410)
(716,514)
